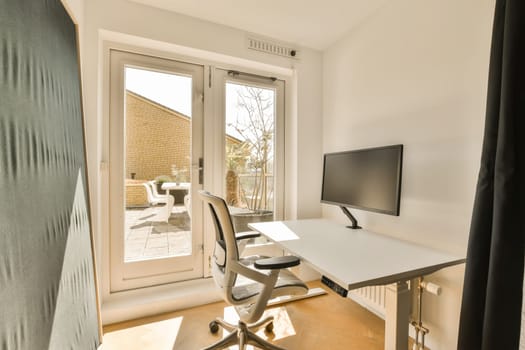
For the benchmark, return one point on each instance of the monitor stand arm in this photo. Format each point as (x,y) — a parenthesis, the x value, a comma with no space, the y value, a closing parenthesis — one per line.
(351,217)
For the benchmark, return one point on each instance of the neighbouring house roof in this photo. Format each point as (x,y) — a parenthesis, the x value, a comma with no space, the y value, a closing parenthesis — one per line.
(172,111)
(158,105)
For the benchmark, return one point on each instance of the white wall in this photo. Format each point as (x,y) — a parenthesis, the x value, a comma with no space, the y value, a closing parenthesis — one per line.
(185,36)
(416,73)
(75,9)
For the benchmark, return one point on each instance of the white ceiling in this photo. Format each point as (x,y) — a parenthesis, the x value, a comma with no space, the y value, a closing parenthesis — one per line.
(311,23)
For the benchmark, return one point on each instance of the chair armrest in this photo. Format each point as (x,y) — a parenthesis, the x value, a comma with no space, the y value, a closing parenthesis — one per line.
(278,262)
(247,234)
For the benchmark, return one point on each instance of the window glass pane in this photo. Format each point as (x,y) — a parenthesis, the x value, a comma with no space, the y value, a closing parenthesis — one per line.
(250,140)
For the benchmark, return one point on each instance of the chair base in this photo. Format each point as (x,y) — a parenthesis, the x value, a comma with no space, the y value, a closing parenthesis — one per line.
(243,334)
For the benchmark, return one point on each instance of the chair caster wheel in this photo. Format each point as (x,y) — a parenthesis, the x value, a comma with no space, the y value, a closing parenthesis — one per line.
(214,327)
(269,327)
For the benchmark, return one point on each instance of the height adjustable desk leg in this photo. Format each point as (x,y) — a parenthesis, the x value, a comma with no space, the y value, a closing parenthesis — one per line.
(397,302)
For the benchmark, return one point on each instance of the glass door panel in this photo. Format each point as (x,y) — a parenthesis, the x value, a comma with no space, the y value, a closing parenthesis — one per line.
(157,162)
(254,167)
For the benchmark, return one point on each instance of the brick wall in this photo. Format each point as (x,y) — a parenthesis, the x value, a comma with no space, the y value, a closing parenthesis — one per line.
(135,194)
(157,139)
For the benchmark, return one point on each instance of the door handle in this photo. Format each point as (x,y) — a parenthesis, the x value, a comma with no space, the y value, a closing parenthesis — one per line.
(201,170)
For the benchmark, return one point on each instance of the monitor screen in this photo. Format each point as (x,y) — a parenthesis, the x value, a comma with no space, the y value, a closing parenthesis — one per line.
(368,179)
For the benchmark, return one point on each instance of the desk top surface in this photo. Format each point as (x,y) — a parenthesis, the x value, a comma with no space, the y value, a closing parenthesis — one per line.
(354,258)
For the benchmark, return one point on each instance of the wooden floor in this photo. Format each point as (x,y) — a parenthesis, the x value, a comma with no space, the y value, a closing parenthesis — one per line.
(322,322)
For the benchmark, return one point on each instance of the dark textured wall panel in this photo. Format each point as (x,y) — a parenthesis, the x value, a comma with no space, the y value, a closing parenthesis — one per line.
(47,289)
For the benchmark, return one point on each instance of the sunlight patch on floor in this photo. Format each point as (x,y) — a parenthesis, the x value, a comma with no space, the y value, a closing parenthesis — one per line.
(156,335)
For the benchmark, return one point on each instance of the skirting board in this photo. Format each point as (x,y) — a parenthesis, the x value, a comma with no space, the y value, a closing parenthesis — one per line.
(312,292)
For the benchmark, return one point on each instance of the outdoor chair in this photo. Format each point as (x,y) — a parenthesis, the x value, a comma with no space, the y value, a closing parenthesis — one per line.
(154,198)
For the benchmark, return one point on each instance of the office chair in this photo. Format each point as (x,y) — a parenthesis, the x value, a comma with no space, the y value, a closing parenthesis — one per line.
(246,283)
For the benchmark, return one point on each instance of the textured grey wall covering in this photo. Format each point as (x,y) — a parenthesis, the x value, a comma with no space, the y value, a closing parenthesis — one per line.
(47,288)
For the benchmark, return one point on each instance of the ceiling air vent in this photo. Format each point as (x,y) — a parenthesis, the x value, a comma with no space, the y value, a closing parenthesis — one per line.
(271,48)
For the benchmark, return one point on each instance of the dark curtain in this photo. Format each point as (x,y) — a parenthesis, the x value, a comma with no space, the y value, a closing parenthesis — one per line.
(493,288)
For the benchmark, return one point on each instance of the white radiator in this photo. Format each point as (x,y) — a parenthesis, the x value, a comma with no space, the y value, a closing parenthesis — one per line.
(372,298)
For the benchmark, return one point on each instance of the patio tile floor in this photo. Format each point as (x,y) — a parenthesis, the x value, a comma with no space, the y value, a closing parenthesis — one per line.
(146,237)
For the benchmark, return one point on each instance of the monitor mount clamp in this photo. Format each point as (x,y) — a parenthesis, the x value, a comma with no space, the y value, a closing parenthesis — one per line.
(354,226)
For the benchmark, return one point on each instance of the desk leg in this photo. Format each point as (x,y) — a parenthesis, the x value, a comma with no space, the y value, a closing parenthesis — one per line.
(169,205)
(397,302)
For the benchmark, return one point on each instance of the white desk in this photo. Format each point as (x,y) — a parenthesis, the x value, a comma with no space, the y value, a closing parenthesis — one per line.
(358,258)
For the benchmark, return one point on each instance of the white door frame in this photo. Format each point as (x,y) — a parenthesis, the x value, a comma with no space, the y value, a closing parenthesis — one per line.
(112,40)
(145,273)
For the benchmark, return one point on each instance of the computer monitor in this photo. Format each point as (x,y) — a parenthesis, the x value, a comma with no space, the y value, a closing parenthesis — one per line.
(368,179)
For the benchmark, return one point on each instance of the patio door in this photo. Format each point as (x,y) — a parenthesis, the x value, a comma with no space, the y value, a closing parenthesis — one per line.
(156,128)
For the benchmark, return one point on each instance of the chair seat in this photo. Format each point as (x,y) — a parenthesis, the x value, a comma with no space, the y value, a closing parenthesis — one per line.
(287,283)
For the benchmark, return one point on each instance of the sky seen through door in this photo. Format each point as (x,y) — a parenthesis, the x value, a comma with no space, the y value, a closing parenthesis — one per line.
(170,90)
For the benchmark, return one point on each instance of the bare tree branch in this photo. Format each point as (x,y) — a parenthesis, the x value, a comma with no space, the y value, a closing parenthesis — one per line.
(255,124)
